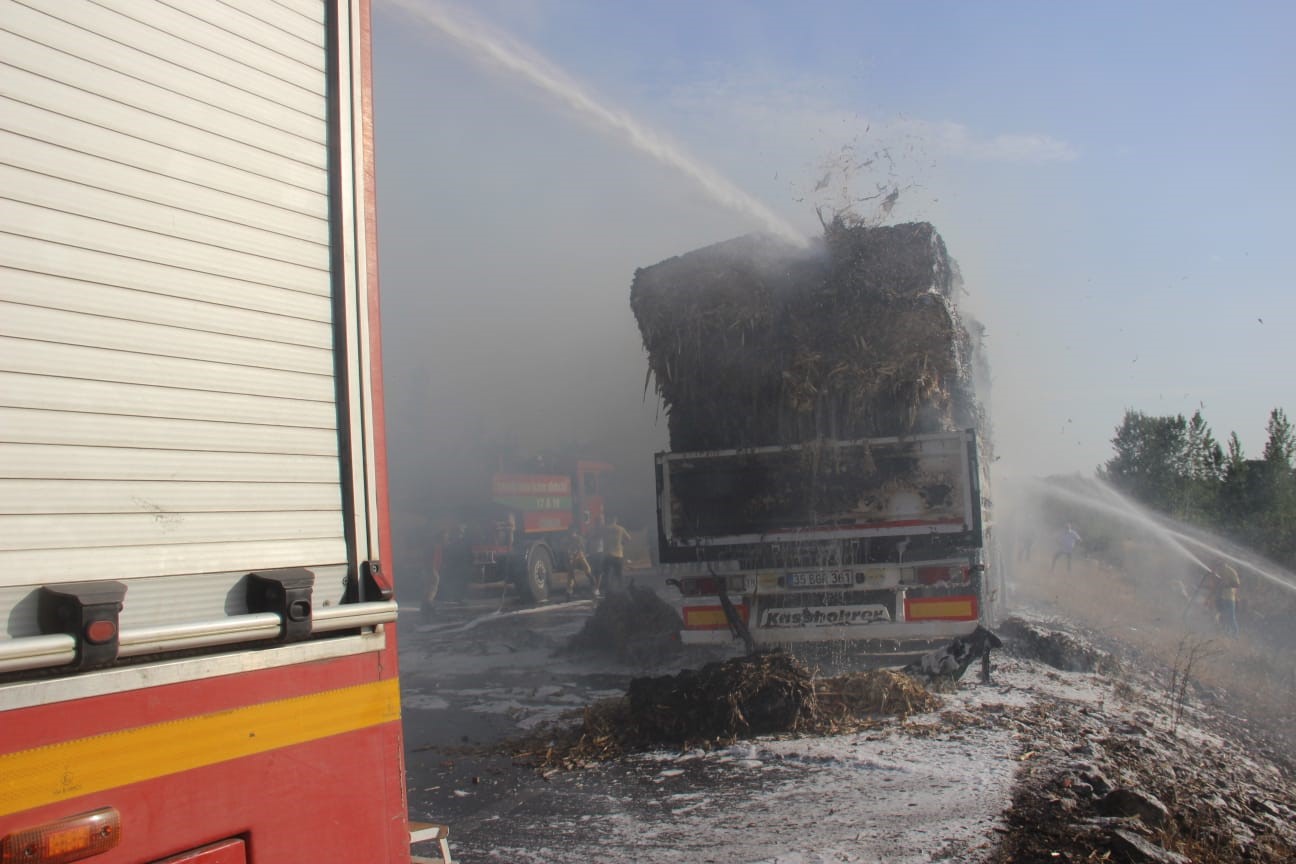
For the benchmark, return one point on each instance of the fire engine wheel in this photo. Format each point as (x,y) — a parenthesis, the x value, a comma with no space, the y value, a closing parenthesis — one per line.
(535,581)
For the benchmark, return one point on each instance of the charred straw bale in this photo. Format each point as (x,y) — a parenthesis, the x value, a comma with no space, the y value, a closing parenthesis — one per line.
(722,701)
(762,694)
(757,342)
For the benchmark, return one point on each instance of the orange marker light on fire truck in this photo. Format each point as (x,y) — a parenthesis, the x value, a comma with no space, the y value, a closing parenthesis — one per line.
(70,839)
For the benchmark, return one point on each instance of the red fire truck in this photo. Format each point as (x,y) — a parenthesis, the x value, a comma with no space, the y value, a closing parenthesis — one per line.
(197,637)
(534,516)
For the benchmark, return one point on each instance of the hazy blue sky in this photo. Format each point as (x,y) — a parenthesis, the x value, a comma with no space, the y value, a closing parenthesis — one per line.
(1115,179)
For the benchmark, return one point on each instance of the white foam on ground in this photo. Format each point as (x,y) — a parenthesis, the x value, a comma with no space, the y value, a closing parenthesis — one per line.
(882,795)
(854,798)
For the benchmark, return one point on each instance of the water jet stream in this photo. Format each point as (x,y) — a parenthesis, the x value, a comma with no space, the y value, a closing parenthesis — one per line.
(1174,534)
(511,57)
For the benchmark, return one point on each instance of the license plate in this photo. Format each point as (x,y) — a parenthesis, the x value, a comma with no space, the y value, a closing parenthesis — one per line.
(821,579)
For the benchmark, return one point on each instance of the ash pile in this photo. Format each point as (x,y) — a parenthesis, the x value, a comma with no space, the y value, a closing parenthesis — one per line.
(756,342)
(634,626)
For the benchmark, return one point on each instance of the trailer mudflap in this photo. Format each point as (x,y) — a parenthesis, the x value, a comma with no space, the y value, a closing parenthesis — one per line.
(737,626)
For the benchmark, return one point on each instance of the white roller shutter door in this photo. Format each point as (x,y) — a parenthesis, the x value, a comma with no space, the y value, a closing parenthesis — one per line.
(167,392)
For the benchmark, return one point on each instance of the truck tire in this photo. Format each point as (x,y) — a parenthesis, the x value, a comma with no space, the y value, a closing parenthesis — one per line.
(533,582)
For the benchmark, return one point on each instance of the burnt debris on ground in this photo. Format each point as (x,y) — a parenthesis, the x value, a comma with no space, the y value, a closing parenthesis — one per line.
(1152,775)
(755,342)
(761,694)
(1137,792)
(1057,649)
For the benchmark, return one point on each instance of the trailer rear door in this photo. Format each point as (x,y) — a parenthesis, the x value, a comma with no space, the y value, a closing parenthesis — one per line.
(828,490)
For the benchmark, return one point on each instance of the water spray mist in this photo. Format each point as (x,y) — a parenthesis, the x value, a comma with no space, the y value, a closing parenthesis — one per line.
(1181,538)
(511,57)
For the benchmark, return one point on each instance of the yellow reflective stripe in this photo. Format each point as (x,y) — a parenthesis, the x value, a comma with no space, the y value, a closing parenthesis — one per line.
(44,775)
(939,609)
(705,618)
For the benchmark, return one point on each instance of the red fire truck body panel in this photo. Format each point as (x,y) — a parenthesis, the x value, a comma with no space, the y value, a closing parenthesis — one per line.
(308,803)
(219,749)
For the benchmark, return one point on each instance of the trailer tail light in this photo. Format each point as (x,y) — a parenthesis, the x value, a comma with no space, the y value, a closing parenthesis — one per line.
(70,839)
(940,574)
(932,575)
(710,586)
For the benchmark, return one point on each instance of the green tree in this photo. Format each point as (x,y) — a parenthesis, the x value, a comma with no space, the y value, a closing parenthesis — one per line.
(1177,467)
(1204,470)
(1237,498)
(1281,444)
(1152,460)
(1205,456)
(1276,516)
(1235,462)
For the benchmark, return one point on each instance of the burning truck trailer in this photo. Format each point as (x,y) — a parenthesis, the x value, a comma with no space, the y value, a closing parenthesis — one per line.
(828,472)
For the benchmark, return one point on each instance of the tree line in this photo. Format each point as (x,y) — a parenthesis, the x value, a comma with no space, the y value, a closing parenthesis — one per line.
(1175,465)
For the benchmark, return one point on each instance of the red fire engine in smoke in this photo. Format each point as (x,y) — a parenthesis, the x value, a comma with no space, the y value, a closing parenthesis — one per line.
(532,517)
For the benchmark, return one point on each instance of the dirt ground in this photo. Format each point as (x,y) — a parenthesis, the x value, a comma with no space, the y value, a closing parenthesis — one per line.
(1150,620)
(1204,771)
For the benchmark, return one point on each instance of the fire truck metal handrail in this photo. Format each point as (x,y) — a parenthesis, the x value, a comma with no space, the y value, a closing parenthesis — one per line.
(43,652)
(199,634)
(36,652)
(350,615)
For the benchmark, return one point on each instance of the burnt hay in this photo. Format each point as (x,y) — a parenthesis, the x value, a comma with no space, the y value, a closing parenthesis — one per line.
(756,342)
(744,697)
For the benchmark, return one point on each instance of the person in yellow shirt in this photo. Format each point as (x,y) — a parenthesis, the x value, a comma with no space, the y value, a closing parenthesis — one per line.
(1227,585)
(614,539)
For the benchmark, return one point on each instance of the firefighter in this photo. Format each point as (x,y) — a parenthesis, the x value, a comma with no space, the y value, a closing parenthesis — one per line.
(595,549)
(1067,539)
(433,581)
(614,538)
(578,563)
(1207,593)
(458,566)
(1227,583)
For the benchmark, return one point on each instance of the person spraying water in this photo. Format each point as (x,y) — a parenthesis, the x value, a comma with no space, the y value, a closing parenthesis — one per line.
(1220,584)
(1183,539)
(1067,539)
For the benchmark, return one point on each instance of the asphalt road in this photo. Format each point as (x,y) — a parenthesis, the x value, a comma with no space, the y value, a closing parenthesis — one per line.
(487,672)
(484,672)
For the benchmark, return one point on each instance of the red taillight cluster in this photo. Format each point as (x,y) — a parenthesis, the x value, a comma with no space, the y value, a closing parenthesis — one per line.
(939,574)
(710,585)
(932,575)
